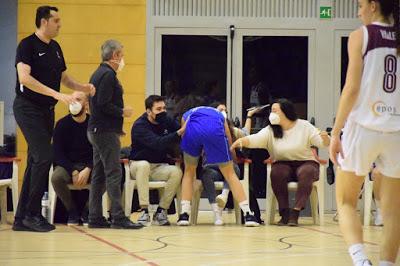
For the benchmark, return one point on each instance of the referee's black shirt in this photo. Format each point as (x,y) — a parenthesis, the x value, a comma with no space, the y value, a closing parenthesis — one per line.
(47,64)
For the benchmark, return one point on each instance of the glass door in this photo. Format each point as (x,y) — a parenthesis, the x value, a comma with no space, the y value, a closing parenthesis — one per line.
(196,64)
(273,64)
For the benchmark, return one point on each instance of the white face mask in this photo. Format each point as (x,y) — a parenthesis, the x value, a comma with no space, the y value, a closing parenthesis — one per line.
(75,108)
(224,114)
(274,119)
(121,65)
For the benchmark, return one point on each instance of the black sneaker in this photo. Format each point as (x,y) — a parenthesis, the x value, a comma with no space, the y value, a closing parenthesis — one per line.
(125,223)
(250,220)
(37,224)
(73,219)
(183,219)
(19,226)
(85,220)
(100,222)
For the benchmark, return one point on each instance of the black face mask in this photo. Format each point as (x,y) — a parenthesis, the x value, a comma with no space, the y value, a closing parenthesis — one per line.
(161,118)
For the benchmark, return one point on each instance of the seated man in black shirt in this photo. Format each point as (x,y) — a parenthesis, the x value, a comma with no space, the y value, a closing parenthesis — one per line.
(73,156)
(152,135)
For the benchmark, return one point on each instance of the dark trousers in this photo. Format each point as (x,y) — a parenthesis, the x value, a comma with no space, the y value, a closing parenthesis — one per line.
(210,174)
(60,180)
(36,123)
(305,173)
(106,173)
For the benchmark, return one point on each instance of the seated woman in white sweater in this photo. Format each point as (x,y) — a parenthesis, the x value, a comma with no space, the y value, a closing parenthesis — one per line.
(289,141)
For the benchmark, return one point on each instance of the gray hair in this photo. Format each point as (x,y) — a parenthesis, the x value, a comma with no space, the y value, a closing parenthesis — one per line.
(108,48)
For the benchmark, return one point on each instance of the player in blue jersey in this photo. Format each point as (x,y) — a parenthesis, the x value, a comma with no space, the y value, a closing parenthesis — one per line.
(207,130)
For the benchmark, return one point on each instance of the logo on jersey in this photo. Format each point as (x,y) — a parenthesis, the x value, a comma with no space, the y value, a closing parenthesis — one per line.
(380,108)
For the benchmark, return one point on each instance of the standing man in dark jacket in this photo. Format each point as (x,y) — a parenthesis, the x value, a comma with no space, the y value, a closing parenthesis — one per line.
(153,135)
(105,128)
(40,70)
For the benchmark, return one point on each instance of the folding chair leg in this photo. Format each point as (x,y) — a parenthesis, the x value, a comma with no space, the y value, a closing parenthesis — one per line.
(178,200)
(14,187)
(238,213)
(3,204)
(195,207)
(368,188)
(314,205)
(105,204)
(128,191)
(52,199)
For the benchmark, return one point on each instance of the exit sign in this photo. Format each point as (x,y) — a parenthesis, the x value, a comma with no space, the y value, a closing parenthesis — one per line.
(325,12)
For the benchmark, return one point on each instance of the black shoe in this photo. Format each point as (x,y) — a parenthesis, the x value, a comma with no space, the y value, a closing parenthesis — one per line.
(125,223)
(84,220)
(183,219)
(294,217)
(100,222)
(19,226)
(284,217)
(73,219)
(250,220)
(37,224)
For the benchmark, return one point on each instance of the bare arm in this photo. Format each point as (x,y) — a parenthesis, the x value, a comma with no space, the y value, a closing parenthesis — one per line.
(26,79)
(350,91)
(250,113)
(353,80)
(228,135)
(69,82)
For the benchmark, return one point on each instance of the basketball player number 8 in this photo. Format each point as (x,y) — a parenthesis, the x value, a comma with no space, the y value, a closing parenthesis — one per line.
(389,79)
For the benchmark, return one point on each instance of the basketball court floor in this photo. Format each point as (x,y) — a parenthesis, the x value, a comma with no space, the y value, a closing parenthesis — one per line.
(203,244)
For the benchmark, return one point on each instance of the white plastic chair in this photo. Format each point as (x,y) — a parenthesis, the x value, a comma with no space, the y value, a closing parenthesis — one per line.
(130,184)
(367,197)
(11,183)
(53,198)
(316,197)
(198,188)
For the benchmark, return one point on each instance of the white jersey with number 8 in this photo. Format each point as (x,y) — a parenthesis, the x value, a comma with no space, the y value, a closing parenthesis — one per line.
(378,103)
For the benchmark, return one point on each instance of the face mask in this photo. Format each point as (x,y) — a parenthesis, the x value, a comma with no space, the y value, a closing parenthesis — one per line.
(274,119)
(75,108)
(224,114)
(161,118)
(121,64)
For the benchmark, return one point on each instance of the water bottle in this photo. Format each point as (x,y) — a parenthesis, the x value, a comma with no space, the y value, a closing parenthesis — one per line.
(45,205)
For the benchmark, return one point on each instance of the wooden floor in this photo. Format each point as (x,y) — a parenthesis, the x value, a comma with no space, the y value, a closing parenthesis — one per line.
(203,244)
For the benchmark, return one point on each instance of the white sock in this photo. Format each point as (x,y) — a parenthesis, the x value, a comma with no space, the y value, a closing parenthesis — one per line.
(357,254)
(185,204)
(386,263)
(244,205)
(377,204)
(225,192)
(214,207)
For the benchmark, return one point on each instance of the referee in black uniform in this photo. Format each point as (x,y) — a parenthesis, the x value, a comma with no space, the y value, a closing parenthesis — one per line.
(40,70)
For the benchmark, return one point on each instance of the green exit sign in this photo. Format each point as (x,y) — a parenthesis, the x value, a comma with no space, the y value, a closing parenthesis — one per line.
(325,12)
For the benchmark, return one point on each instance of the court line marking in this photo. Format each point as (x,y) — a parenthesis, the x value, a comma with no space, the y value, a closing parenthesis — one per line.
(334,234)
(115,246)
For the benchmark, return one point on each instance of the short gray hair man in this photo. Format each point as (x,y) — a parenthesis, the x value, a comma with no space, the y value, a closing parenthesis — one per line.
(108,48)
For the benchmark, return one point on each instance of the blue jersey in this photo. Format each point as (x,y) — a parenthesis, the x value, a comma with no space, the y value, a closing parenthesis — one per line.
(205,130)
(206,118)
